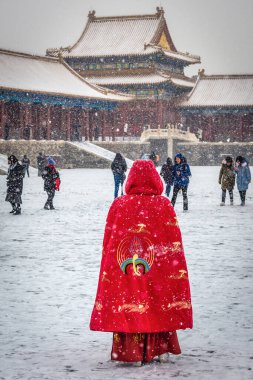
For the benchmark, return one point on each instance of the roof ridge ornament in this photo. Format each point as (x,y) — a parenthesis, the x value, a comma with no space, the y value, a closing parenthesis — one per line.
(201,73)
(91,15)
(159,11)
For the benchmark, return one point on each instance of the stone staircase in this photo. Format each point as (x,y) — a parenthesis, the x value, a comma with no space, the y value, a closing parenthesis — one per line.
(98,151)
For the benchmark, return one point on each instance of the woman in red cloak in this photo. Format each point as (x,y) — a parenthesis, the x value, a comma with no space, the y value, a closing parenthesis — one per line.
(143,293)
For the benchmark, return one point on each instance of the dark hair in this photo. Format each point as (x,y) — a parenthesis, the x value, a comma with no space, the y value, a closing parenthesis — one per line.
(229,159)
(12,158)
(240,159)
(118,157)
(169,161)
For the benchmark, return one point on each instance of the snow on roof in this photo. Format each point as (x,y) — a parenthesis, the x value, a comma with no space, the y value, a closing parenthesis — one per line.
(221,91)
(121,36)
(25,72)
(106,36)
(152,78)
(182,56)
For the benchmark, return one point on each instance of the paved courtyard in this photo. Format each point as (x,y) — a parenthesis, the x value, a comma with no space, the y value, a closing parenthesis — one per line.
(49,270)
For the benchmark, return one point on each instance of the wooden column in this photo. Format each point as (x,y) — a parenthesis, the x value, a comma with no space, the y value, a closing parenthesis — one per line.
(49,126)
(32,126)
(21,120)
(240,135)
(2,119)
(68,129)
(83,123)
(113,127)
(86,124)
(62,123)
(159,114)
(91,121)
(25,119)
(39,122)
(103,124)
(211,136)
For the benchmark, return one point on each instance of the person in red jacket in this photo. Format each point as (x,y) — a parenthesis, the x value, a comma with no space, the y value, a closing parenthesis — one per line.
(143,293)
(51,182)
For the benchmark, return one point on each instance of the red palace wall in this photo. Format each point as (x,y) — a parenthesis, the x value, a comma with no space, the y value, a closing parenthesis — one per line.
(49,122)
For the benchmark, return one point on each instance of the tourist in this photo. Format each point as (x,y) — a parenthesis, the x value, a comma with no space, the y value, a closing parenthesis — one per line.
(119,168)
(227,180)
(41,163)
(143,293)
(51,182)
(155,158)
(181,174)
(26,163)
(167,174)
(14,184)
(243,177)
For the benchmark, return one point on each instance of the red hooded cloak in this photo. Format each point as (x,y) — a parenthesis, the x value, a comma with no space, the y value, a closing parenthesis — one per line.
(143,284)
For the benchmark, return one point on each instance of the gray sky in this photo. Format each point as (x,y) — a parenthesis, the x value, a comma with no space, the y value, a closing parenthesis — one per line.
(220,31)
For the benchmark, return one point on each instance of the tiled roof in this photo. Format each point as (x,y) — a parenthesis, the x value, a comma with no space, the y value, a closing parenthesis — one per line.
(152,78)
(121,36)
(25,72)
(221,91)
(182,56)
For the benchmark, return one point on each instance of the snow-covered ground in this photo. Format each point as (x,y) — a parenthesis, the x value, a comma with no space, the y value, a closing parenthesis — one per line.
(48,277)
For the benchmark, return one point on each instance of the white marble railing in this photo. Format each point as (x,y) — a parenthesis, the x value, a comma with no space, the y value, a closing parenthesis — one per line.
(168,133)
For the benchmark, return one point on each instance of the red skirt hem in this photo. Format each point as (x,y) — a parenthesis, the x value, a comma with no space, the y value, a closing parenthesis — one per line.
(135,347)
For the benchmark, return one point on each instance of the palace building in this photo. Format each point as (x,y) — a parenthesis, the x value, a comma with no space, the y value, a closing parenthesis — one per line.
(135,55)
(43,98)
(221,107)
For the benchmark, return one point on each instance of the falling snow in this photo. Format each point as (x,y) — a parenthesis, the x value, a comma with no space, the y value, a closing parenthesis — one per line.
(49,269)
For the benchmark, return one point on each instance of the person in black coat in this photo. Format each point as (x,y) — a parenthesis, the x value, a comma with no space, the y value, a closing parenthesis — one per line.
(155,158)
(181,174)
(26,163)
(119,167)
(14,184)
(41,163)
(51,183)
(167,174)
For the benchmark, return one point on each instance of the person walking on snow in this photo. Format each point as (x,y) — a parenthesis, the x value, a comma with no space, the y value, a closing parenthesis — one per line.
(227,180)
(14,184)
(26,163)
(181,173)
(119,167)
(143,293)
(243,177)
(51,182)
(41,163)
(167,174)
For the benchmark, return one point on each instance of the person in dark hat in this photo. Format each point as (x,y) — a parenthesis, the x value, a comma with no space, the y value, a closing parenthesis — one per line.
(26,163)
(181,174)
(41,163)
(14,184)
(243,177)
(227,180)
(51,182)
(167,174)
(119,168)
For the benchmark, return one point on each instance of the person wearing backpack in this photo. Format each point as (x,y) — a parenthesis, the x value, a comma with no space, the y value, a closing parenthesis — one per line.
(51,182)
(119,168)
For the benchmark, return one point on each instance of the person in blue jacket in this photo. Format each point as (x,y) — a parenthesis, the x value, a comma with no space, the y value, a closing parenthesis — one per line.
(181,173)
(243,177)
